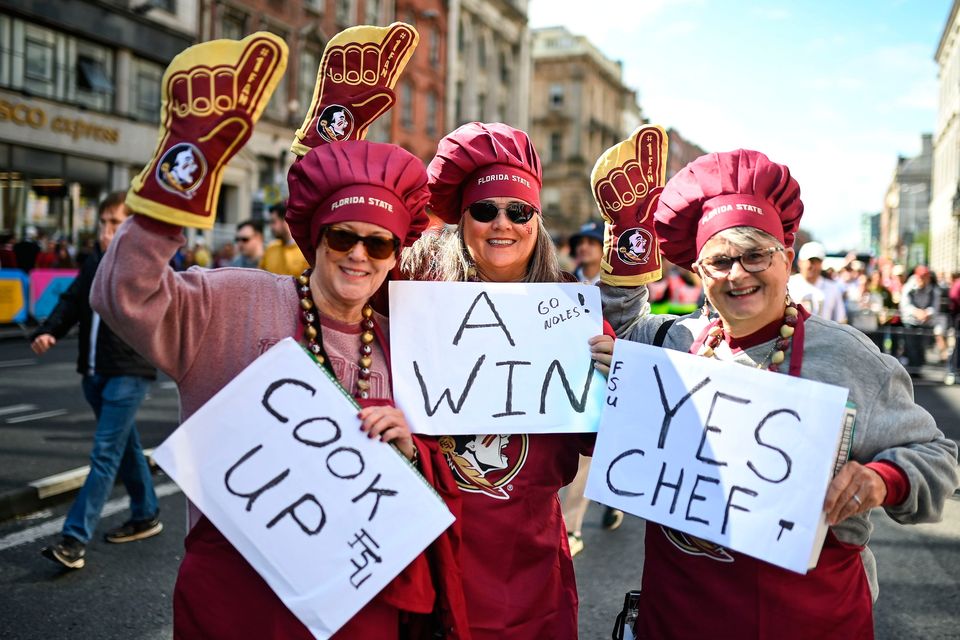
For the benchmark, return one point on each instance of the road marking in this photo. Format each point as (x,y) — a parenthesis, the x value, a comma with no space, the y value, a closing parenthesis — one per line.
(54,526)
(17,408)
(17,363)
(37,416)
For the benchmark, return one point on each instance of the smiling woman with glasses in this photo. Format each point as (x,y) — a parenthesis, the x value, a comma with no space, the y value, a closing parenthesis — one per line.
(732,219)
(485,184)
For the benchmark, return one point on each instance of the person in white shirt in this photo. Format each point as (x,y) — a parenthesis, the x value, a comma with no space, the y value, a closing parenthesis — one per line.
(818,295)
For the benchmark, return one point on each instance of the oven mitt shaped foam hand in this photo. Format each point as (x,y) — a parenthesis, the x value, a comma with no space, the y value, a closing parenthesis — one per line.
(627,180)
(213,94)
(359,68)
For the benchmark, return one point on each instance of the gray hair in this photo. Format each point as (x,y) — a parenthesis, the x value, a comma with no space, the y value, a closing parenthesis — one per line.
(443,256)
(746,238)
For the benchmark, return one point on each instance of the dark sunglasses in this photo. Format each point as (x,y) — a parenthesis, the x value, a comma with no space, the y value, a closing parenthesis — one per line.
(377,247)
(243,239)
(518,212)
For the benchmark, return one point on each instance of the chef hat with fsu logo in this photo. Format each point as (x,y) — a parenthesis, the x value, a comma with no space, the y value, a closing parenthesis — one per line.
(478,161)
(356,181)
(719,191)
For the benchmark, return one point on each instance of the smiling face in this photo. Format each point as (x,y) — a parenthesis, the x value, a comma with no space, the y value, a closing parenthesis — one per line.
(746,301)
(343,281)
(500,248)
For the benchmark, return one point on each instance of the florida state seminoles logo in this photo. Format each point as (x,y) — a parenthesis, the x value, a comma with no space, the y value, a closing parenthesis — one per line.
(691,545)
(182,169)
(486,463)
(633,246)
(335,123)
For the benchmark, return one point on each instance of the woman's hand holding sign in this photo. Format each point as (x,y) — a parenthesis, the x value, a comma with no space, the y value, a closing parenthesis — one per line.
(601,350)
(389,425)
(854,490)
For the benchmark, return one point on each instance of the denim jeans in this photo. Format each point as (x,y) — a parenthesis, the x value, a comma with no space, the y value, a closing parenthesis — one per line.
(116,449)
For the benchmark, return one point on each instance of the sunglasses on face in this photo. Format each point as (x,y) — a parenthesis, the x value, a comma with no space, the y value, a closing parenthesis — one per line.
(518,212)
(752,262)
(377,247)
(243,239)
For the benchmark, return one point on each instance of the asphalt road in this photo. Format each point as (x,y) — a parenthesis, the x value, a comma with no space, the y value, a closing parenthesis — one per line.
(125,591)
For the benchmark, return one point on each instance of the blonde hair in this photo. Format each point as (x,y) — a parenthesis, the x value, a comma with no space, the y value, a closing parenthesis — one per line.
(443,256)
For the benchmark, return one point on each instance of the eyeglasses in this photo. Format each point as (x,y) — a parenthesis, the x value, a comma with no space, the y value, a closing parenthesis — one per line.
(486,211)
(751,261)
(377,247)
(243,239)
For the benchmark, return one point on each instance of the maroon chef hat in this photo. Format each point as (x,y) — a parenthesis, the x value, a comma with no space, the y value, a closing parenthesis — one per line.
(356,181)
(478,161)
(723,190)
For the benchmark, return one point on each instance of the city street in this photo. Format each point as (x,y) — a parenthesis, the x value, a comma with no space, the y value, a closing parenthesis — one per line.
(125,591)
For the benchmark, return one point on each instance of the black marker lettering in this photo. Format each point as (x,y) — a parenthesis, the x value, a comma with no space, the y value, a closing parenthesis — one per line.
(709,427)
(786,458)
(668,413)
(498,323)
(253,495)
(731,505)
(292,512)
(508,409)
(696,497)
(377,493)
(455,408)
(578,406)
(623,492)
(347,450)
(662,483)
(265,401)
(321,422)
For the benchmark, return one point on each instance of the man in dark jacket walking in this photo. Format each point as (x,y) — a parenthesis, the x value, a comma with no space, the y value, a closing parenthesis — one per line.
(115,381)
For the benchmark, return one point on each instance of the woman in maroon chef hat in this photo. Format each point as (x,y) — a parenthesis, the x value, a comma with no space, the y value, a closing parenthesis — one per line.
(203,327)
(732,218)
(517,570)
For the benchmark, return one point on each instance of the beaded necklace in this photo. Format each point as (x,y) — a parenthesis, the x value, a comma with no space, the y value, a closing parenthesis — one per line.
(312,334)
(713,335)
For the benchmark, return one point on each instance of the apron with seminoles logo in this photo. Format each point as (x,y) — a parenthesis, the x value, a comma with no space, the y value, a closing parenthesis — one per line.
(517,571)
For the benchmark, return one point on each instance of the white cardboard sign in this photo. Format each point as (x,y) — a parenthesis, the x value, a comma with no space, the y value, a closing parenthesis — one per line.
(278,463)
(726,453)
(477,357)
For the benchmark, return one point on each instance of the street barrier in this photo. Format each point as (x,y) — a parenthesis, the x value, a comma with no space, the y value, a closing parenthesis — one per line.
(46,285)
(13,296)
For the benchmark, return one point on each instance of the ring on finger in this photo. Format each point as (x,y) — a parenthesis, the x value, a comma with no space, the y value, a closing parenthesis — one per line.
(858,500)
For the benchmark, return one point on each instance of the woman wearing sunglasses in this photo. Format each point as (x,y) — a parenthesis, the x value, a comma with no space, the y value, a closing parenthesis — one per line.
(352,206)
(517,571)
(732,219)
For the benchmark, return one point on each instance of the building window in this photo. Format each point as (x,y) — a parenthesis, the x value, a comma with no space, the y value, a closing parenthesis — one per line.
(309,66)
(39,61)
(435,46)
(482,52)
(504,69)
(556,146)
(92,76)
(481,106)
(233,25)
(458,105)
(315,5)
(147,87)
(278,107)
(343,12)
(431,114)
(556,95)
(461,38)
(406,106)
(373,12)
(170,6)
